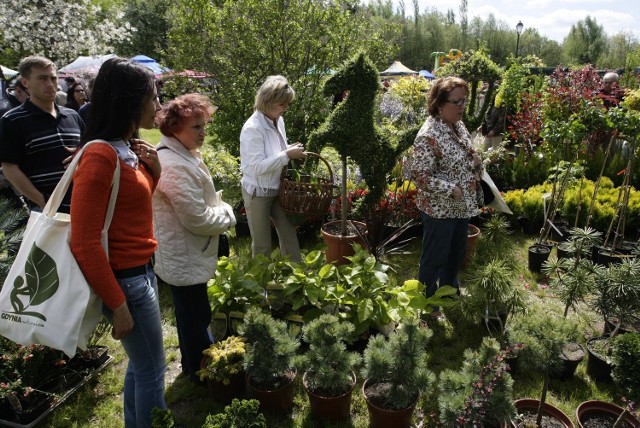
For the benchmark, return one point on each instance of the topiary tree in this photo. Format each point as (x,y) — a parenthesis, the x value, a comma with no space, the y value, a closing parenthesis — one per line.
(475,68)
(350,128)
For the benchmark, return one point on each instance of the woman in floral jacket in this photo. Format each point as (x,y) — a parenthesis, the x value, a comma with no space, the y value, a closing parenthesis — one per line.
(447,171)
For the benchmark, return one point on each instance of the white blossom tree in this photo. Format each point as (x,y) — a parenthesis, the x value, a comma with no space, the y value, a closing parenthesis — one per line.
(61,29)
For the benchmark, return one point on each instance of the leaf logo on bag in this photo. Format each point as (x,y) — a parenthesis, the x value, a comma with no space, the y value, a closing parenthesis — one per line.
(39,284)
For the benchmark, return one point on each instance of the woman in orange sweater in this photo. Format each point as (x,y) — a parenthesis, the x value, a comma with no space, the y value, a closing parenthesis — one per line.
(124,100)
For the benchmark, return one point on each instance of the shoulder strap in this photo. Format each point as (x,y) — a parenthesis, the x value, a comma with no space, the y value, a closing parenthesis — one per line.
(55,200)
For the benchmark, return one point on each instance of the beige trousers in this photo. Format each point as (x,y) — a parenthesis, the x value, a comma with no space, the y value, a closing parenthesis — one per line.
(261,211)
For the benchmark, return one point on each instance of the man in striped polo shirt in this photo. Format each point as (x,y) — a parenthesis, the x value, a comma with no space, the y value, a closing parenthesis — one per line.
(36,137)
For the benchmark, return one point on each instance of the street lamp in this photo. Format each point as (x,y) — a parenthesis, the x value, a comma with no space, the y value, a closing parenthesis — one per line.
(519,28)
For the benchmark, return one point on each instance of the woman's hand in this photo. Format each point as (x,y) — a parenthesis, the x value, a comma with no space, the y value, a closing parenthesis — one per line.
(122,322)
(296,151)
(147,154)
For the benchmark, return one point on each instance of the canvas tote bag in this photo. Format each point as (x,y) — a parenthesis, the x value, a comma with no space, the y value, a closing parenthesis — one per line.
(45,298)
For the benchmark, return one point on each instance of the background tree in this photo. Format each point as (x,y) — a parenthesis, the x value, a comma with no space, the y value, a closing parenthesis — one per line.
(585,43)
(618,47)
(151,21)
(242,42)
(61,30)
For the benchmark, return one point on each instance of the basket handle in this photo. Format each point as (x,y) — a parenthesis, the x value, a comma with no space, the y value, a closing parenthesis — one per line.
(319,157)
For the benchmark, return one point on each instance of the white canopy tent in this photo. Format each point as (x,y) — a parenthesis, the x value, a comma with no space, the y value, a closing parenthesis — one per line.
(84,66)
(398,69)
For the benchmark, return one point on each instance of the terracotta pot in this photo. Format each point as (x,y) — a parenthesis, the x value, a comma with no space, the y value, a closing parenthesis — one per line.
(330,409)
(529,404)
(339,247)
(472,236)
(387,418)
(591,408)
(278,401)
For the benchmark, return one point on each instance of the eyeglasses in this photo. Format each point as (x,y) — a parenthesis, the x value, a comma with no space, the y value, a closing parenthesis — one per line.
(459,103)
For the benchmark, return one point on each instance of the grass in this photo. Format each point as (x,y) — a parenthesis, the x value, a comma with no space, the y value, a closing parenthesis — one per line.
(151,135)
(100,403)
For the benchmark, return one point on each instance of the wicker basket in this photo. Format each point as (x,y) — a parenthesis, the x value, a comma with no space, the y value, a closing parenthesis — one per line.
(304,198)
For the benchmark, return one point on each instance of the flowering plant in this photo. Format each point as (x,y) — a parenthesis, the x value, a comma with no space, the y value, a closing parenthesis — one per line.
(396,207)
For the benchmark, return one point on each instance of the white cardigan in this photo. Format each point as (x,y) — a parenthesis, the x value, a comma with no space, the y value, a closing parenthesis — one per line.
(188,216)
(262,154)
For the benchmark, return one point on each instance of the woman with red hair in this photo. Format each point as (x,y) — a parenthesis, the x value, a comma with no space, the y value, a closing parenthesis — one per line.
(189,216)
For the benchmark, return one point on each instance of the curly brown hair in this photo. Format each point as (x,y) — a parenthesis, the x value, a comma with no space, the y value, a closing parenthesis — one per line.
(173,114)
(440,91)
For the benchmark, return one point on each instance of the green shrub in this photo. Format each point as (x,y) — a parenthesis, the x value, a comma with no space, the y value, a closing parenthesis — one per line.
(626,364)
(239,414)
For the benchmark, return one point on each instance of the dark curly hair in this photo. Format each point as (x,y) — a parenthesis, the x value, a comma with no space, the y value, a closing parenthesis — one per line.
(171,118)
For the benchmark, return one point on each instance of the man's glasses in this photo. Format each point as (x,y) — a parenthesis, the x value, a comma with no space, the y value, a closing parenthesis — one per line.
(459,103)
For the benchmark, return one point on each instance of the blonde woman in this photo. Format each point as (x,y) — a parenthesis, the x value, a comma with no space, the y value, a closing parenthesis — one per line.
(264,151)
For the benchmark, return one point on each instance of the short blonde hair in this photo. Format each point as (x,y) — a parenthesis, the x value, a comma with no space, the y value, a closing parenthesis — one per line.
(274,91)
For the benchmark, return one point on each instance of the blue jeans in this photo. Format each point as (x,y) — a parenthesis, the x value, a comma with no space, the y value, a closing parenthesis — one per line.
(193,316)
(444,243)
(144,380)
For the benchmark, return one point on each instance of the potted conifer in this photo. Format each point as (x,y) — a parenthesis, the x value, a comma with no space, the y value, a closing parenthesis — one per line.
(544,335)
(395,369)
(328,377)
(268,361)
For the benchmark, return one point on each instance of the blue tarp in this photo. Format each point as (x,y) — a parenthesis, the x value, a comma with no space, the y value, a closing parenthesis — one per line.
(151,64)
(426,74)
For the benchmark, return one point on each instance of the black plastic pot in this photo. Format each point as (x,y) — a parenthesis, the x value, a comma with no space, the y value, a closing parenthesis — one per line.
(538,254)
(597,366)
(570,360)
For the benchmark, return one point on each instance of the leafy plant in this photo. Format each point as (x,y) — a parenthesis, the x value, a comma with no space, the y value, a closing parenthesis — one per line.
(327,364)
(240,413)
(238,283)
(479,394)
(269,357)
(396,367)
(224,359)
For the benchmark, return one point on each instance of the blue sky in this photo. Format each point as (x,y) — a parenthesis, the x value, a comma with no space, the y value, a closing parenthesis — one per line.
(552,18)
